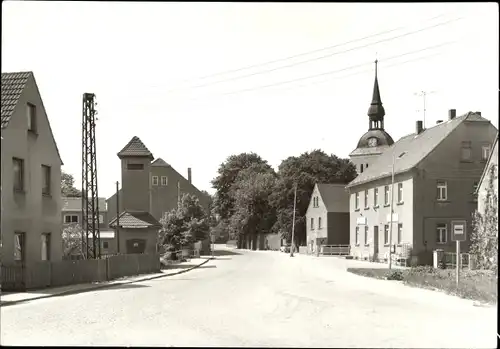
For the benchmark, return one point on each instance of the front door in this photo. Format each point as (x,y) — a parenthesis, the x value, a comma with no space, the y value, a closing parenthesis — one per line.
(375,241)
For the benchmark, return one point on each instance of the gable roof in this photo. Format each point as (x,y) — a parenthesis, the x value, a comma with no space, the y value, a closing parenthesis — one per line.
(13,85)
(160,163)
(135,148)
(410,150)
(333,195)
(488,163)
(134,219)
(75,204)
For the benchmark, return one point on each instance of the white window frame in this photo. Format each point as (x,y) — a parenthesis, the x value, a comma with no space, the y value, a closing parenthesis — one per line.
(356,201)
(386,195)
(386,234)
(19,246)
(485,152)
(319,222)
(154,180)
(375,197)
(164,179)
(400,193)
(367,204)
(357,236)
(441,228)
(101,219)
(45,246)
(442,190)
(366,235)
(71,221)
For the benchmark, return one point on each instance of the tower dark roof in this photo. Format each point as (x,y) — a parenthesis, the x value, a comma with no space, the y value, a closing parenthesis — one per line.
(13,85)
(135,148)
(383,138)
(376,110)
(160,163)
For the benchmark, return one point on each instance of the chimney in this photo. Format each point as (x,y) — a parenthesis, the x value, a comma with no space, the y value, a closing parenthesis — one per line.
(438,122)
(478,113)
(420,127)
(452,113)
(189,175)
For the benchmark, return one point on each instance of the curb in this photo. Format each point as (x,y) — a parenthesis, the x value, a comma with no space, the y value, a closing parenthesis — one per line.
(98,286)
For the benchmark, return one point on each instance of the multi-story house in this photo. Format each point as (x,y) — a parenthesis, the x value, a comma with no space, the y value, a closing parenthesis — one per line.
(327,217)
(31,175)
(72,216)
(490,169)
(435,174)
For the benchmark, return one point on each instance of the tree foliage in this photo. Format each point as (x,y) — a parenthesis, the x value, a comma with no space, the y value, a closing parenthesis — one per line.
(72,240)
(484,237)
(184,225)
(68,186)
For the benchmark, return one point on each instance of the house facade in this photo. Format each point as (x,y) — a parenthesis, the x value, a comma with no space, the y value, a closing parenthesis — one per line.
(490,169)
(435,171)
(327,217)
(137,228)
(31,175)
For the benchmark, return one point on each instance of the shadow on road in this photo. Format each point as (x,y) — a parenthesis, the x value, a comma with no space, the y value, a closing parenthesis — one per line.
(225,253)
(188,266)
(124,286)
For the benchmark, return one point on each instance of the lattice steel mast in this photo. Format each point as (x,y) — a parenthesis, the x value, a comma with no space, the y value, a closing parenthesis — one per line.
(90,197)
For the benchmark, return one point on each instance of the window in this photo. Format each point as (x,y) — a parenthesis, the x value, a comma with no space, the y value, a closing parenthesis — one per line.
(46,247)
(386,234)
(441,233)
(466,151)
(357,236)
(361,168)
(356,202)
(442,190)
(366,198)
(131,166)
(366,235)
(319,222)
(386,195)
(155,180)
(485,152)
(18,166)
(19,246)
(312,223)
(31,116)
(71,218)
(400,192)
(45,180)
(400,233)
(375,197)
(101,219)
(474,192)
(105,244)
(164,180)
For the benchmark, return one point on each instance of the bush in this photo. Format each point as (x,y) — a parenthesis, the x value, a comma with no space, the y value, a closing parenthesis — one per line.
(395,275)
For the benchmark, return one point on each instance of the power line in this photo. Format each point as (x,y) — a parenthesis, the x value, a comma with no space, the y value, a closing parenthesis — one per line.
(321,57)
(329,72)
(315,58)
(308,52)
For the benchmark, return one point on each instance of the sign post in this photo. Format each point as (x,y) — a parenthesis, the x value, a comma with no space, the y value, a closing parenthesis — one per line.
(458,234)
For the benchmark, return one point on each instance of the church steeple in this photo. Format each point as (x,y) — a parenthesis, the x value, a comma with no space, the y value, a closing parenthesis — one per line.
(376,111)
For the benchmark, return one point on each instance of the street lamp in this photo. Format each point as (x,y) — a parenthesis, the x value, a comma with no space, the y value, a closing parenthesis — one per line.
(392,207)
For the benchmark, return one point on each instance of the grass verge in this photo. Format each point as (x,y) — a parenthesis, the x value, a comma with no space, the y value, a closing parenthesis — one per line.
(479,285)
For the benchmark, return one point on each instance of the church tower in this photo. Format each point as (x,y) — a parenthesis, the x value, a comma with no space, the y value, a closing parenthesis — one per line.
(376,139)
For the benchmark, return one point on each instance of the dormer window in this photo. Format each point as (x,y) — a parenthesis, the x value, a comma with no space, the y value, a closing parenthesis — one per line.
(486,152)
(31,117)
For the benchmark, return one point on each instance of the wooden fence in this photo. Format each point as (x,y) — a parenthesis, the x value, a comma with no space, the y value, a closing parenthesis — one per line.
(69,272)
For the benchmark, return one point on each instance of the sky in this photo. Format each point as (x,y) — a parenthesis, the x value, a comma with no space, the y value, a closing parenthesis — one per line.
(198,82)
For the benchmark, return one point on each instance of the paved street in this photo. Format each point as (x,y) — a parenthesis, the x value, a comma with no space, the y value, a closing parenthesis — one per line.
(254,299)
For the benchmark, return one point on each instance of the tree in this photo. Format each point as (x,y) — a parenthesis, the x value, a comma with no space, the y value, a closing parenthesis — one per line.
(305,171)
(68,186)
(227,175)
(484,237)
(72,240)
(184,225)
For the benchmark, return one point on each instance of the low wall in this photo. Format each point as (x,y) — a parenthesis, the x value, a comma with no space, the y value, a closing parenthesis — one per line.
(70,272)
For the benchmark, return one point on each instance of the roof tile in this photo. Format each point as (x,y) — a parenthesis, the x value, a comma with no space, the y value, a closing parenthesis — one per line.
(160,163)
(334,196)
(136,220)
(135,148)
(13,85)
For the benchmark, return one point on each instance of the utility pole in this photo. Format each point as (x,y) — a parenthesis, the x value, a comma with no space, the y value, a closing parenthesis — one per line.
(117,219)
(423,94)
(392,207)
(293,221)
(178,194)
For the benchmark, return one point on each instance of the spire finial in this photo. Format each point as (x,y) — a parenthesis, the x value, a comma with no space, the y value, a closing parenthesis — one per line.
(376,63)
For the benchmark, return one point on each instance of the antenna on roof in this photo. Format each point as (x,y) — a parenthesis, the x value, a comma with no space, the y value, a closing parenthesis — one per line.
(423,94)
